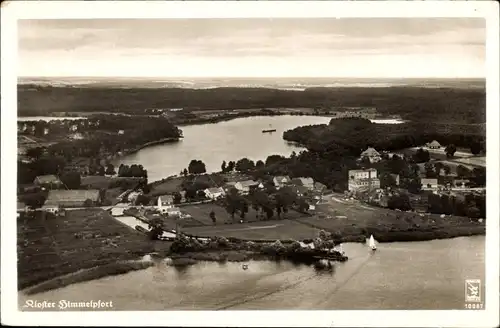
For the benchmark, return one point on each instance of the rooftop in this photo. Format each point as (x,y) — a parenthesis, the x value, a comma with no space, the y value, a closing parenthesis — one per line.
(58,196)
(50,178)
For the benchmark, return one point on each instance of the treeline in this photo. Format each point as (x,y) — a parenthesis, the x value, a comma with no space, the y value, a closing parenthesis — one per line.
(413,103)
(473,206)
(353,135)
(104,137)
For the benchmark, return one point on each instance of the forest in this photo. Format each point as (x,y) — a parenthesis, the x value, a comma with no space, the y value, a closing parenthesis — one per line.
(353,135)
(411,103)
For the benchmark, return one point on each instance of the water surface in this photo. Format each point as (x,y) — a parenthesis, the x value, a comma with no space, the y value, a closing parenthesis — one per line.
(418,275)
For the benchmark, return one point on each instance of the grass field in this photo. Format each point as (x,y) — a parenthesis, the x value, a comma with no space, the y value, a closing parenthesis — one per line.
(201,212)
(48,248)
(264,230)
(352,218)
(167,186)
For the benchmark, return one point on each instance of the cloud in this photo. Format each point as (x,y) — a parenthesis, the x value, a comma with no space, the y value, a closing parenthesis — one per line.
(95,45)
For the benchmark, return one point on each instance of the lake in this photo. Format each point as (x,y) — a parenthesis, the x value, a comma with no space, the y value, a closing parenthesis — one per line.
(418,275)
(214,143)
(229,140)
(48,118)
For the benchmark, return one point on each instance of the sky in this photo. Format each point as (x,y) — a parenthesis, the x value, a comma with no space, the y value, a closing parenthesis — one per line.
(256,47)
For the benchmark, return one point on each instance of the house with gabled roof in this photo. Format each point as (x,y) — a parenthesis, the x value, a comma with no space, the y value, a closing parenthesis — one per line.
(48,181)
(429,184)
(73,198)
(214,193)
(433,145)
(281,181)
(372,155)
(245,186)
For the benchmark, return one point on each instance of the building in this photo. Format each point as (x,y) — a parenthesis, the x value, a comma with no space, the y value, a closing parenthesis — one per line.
(372,155)
(300,191)
(306,182)
(433,145)
(73,198)
(49,181)
(51,208)
(121,132)
(76,136)
(319,187)
(460,183)
(429,184)
(245,186)
(363,180)
(46,131)
(165,202)
(214,193)
(21,207)
(73,128)
(173,211)
(281,181)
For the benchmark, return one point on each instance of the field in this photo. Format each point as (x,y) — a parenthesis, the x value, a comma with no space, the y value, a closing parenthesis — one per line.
(201,212)
(166,186)
(54,246)
(351,218)
(103,182)
(264,230)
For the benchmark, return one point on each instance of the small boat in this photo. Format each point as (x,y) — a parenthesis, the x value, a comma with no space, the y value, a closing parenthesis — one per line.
(372,244)
(244,266)
(269,130)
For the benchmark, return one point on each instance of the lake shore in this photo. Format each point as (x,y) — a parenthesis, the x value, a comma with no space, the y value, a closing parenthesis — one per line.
(83,275)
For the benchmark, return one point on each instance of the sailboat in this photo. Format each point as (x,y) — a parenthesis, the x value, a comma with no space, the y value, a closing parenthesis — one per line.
(269,130)
(371,243)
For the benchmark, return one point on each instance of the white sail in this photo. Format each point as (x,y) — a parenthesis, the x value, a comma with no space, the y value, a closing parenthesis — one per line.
(372,242)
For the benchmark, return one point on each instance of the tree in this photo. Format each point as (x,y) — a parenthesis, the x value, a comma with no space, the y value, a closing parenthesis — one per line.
(259,164)
(473,212)
(230,166)
(156,228)
(185,172)
(401,202)
(71,180)
(476,148)
(35,153)
(196,167)
(447,169)
(421,156)
(223,167)
(430,171)
(100,170)
(450,150)
(244,165)
(212,216)
(479,176)
(88,203)
(387,180)
(177,197)
(143,200)
(34,200)
(463,172)
(110,169)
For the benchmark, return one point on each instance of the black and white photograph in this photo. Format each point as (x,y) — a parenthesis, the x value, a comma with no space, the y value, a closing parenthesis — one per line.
(270,163)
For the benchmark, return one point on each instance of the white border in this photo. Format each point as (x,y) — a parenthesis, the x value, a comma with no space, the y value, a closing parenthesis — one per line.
(13,10)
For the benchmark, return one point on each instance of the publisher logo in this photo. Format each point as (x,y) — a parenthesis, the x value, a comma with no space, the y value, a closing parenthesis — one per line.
(473,290)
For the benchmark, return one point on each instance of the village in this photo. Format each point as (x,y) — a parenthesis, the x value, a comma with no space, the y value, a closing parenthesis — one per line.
(231,197)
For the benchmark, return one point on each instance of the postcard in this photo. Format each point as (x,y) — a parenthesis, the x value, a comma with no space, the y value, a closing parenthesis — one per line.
(250,163)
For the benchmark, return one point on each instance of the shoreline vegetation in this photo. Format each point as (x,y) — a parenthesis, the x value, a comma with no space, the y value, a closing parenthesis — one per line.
(83,275)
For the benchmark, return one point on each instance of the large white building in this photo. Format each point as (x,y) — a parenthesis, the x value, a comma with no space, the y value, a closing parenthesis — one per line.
(360,180)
